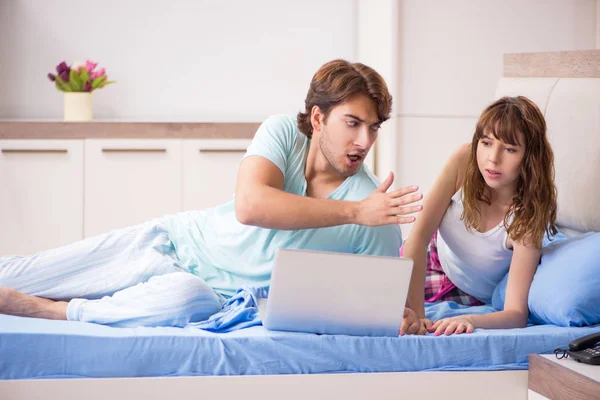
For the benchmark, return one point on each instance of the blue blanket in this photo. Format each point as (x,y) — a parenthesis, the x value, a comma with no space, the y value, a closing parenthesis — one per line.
(241,311)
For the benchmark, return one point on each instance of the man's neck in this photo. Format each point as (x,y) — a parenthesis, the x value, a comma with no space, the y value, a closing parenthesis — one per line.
(321,177)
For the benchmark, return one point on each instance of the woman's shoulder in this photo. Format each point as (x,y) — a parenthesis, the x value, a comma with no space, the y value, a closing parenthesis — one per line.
(458,162)
(461,154)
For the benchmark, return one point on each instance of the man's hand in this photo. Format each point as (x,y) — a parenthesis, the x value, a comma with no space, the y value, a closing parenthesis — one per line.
(382,208)
(448,326)
(411,324)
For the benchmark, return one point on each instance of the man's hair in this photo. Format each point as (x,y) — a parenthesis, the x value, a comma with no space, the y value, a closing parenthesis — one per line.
(338,81)
(534,204)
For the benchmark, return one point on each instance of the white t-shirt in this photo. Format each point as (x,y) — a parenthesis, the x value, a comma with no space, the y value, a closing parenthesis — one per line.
(475,262)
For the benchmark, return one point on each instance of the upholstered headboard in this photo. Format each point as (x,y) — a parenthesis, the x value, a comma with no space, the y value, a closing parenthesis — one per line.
(566,87)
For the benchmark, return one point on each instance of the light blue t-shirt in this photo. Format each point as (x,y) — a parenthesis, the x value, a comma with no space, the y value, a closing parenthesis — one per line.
(213,245)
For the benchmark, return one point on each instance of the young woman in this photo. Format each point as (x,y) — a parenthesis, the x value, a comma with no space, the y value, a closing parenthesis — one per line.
(486,214)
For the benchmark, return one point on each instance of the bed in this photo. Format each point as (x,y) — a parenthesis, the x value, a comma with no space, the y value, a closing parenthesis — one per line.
(51,351)
(233,355)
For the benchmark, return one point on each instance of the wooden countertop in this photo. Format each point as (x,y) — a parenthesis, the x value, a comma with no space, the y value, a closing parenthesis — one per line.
(127,130)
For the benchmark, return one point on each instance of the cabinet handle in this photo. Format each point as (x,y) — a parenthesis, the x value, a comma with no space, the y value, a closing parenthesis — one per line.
(222,150)
(37,151)
(134,150)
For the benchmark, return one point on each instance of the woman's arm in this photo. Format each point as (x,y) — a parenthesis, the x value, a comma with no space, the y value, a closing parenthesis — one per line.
(522,269)
(434,207)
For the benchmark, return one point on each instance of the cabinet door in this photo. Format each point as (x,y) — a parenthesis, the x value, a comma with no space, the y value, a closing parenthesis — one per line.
(210,171)
(41,194)
(130,181)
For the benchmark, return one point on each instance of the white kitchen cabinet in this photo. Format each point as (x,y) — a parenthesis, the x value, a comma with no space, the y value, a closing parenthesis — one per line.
(55,192)
(41,188)
(129,181)
(210,171)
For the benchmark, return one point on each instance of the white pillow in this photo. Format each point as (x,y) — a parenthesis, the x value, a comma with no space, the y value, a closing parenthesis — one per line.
(573,118)
(572,110)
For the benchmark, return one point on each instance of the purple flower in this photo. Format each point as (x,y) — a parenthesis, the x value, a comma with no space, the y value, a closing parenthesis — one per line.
(62,67)
(64,76)
(87,77)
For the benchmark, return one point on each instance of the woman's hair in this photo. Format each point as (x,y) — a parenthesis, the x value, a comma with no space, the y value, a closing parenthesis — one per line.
(533,208)
(338,81)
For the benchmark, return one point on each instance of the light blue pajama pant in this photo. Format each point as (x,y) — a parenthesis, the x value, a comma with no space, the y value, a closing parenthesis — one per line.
(127,277)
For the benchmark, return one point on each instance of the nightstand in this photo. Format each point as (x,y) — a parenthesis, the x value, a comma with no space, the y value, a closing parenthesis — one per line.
(551,378)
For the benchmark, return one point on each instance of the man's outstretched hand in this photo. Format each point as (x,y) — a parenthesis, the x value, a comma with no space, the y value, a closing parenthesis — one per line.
(384,208)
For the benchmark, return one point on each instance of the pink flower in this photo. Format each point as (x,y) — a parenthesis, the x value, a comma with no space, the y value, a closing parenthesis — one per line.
(97,74)
(83,76)
(89,66)
(77,66)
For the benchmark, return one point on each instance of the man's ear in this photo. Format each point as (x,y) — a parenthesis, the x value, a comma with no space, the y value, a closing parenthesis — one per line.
(316,118)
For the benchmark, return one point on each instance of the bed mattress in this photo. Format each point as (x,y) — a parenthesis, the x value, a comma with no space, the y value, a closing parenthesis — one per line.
(34,348)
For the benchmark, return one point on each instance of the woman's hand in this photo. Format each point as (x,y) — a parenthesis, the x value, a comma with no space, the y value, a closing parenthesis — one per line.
(448,326)
(411,324)
(426,323)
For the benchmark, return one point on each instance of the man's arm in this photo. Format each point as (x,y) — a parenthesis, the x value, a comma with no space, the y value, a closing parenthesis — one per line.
(261,201)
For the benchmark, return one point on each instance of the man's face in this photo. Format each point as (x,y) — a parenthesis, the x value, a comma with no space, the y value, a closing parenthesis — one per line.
(348,134)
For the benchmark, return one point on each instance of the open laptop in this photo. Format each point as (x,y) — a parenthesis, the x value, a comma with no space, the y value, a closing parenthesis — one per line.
(336,293)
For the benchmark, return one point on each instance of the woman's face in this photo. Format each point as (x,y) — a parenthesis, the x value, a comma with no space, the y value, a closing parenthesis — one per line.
(499,162)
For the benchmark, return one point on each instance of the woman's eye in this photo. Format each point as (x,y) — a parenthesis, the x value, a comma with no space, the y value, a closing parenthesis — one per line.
(375,128)
(485,143)
(511,150)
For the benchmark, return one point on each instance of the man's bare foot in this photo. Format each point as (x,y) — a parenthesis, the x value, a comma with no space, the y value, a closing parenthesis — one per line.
(24,305)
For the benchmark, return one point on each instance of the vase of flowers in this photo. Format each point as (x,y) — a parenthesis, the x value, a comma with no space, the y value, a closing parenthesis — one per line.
(78,81)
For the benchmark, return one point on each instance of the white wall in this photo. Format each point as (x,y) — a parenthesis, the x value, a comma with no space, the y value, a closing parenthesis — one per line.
(234,60)
(377,37)
(598,24)
(179,60)
(450,61)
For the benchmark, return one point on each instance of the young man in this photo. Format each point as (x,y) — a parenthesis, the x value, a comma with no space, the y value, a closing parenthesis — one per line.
(301,184)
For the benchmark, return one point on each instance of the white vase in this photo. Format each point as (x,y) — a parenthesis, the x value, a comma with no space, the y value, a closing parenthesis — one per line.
(78,106)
